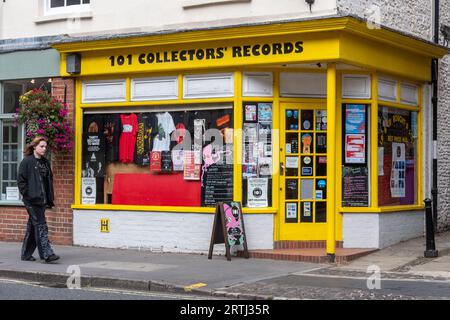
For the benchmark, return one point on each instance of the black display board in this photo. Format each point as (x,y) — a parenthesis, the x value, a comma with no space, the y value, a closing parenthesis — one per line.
(217,184)
(355,187)
(228,228)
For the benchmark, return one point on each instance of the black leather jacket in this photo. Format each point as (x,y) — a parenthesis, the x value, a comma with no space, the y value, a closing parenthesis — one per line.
(30,183)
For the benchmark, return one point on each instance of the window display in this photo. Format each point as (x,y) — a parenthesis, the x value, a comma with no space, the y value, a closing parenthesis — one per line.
(355,170)
(257,155)
(170,158)
(397,156)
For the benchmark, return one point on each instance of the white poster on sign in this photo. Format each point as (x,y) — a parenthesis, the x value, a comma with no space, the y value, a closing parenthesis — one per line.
(257,192)
(12,194)
(292,162)
(178,160)
(291,210)
(88,190)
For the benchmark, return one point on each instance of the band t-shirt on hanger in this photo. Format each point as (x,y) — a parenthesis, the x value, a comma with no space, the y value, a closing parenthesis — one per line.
(128,137)
(112,129)
(165,128)
(147,130)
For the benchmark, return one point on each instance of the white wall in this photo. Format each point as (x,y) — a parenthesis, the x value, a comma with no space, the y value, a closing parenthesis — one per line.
(166,231)
(380,230)
(24,18)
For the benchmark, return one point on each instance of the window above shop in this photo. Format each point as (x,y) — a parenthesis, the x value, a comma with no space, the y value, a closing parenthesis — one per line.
(65,6)
(188,4)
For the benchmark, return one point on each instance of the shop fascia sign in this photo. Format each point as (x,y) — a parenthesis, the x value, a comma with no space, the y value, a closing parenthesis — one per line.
(207,54)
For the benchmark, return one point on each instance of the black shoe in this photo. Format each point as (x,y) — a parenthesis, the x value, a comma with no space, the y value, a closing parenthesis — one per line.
(51,258)
(31,258)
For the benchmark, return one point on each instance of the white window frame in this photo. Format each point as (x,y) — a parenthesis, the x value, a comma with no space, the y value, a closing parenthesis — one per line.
(66,9)
(8,117)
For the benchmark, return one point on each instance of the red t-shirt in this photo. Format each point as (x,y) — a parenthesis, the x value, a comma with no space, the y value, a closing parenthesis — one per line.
(127,140)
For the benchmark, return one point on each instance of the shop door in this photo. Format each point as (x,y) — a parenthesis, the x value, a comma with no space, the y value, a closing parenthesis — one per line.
(303,171)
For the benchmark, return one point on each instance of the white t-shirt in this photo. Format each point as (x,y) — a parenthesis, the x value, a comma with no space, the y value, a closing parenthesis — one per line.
(165,128)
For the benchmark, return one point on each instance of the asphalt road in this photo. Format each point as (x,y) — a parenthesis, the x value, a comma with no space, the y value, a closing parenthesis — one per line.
(18,290)
(332,287)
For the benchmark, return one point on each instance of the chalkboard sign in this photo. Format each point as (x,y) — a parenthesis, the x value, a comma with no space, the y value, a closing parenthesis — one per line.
(228,228)
(355,186)
(217,184)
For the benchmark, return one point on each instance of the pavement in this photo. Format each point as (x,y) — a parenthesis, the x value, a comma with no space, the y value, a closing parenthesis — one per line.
(400,267)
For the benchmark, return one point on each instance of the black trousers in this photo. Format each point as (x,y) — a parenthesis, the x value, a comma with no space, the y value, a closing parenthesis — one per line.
(36,234)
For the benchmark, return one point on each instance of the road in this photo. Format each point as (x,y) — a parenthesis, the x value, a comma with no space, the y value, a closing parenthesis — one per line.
(325,285)
(19,290)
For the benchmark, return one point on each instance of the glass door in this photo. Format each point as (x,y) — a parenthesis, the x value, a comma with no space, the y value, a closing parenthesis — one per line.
(303,171)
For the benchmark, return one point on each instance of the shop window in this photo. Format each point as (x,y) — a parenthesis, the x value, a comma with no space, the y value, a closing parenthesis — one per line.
(158,158)
(397,157)
(355,169)
(257,157)
(11,136)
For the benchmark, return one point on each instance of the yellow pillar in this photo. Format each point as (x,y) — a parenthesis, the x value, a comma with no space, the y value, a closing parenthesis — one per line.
(331,160)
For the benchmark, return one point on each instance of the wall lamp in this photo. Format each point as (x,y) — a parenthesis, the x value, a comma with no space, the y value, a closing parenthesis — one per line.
(446,33)
(310,2)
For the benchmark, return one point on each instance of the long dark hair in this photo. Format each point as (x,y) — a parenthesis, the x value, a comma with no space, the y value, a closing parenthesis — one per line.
(29,149)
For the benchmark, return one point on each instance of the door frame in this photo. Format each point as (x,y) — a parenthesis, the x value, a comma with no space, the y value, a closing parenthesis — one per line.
(298,231)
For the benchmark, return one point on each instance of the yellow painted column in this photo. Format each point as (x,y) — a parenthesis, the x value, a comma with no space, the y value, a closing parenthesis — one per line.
(78,140)
(237,147)
(331,160)
(374,142)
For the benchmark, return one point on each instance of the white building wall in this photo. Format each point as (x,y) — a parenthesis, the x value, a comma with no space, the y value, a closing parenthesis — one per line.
(163,231)
(26,18)
(360,230)
(380,230)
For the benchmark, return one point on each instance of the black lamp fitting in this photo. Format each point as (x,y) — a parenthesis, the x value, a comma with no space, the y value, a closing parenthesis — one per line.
(310,2)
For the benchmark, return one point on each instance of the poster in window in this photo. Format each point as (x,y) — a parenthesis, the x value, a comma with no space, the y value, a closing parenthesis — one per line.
(380,161)
(250,112)
(291,212)
(306,143)
(178,160)
(355,148)
(264,112)
(355,119)
(355,186)
(250,133)
(12,194)
(321,120)
(398,172)
(88,190)
(94,147)
(257,196)
(265,167)
(155,161)
(166,161)
(191,169)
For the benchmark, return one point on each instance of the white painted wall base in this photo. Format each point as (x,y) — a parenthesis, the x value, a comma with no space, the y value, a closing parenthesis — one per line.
(161,231)
(380,230)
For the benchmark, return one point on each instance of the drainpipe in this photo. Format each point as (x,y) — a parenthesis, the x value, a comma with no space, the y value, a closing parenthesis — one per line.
(434,100)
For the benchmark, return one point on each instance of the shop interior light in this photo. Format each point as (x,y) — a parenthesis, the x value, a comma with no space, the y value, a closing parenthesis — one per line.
(49,80)
(32,81)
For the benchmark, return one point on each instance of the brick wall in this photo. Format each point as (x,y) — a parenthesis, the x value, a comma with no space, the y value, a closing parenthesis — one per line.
(13,219)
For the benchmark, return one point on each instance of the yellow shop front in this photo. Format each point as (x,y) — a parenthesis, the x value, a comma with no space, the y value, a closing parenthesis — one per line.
(315,127)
